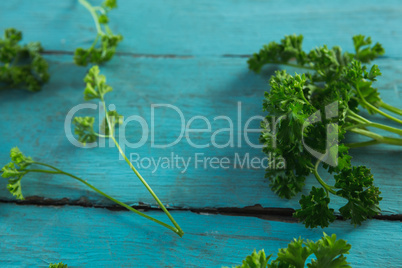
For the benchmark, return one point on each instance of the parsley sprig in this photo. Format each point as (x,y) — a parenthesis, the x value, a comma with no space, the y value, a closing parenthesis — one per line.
(104,46)
(300,106)
(96,88)
(21,65)
(328,252)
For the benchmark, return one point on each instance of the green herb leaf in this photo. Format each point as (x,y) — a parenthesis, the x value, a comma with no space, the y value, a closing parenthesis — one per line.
(21,66)
(58,265)
(84,129)
(314,209)
(96,86)
(329,252)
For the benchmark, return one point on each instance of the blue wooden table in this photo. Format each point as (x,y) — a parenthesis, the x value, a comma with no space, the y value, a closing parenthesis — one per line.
(190,54)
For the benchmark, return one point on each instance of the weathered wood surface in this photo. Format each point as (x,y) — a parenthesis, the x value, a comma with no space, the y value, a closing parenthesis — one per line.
(208,28)
(188,54)
(198,86)
(87,237)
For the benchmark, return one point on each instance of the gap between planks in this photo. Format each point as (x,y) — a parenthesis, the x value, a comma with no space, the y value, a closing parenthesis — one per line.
(271,214)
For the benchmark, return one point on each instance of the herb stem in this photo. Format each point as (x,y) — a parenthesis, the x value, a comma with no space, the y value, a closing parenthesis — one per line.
(359,117)
(377,137)
(317,176)
(91,10)
(390,108)
(376,125)
(362,144)
(179,230)
(58,171)
(375,108)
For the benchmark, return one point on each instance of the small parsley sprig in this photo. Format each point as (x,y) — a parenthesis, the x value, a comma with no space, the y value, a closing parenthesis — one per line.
(299,106)
(104,46)
(96,88)
(21,65)
(22,165)
(328,252)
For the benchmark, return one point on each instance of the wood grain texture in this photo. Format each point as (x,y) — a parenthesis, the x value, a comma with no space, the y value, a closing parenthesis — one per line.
(199,86)
(86,237)
(208,27)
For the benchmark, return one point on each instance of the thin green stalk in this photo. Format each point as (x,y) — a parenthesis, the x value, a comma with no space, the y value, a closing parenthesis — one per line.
(376,125)
(323,184)
(359,117)
(390,108)
(58,171)
(179,230)
(362,144)
(376,109)
(377,137)
(91,10)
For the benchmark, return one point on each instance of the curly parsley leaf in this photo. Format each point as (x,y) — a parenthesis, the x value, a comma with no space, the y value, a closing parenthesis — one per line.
(21,66)
(105,44)
(314,209)
(84,129)
(96,86)
(308,116)
(15,170)
(357,185)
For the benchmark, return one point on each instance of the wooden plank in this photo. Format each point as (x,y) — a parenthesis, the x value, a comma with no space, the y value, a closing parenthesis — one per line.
(208,27)
(199,86)
(34,236)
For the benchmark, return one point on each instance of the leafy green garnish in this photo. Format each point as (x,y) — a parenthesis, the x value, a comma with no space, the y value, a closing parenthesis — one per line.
(96,88)
(84,129)
(21,66)
(105,43)
(58,265)
(328,252)
(314,111)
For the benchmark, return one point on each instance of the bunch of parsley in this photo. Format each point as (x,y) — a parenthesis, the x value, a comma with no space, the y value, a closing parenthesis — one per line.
(328,252)
(104,46)
(312,112)
(21,65)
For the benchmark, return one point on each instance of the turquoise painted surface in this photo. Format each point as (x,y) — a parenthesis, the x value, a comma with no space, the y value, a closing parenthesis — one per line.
(86,237)
(187,54)
(197,86)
